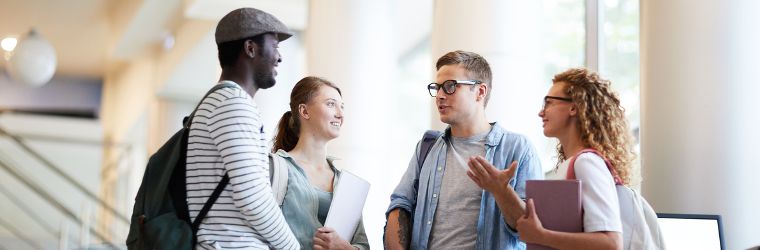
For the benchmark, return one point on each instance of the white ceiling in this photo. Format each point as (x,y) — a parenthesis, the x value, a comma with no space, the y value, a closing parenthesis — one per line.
(77,29)
(90,34)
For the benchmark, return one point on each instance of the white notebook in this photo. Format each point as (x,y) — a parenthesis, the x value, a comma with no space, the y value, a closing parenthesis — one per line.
(347,204)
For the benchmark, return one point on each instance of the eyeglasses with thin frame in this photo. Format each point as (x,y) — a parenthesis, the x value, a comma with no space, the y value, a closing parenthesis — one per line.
(449,86)
(548,97)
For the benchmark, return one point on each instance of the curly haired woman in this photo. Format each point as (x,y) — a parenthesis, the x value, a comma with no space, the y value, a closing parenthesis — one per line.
(583,112)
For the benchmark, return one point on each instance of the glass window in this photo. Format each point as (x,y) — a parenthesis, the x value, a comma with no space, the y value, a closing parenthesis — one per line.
(620,53)
(620,62)
(564,32)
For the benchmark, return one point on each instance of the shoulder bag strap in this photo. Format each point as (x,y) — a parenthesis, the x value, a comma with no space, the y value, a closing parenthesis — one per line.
(571,167)
(278,172)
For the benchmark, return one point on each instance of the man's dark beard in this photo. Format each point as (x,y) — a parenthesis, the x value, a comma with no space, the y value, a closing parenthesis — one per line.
(264,80)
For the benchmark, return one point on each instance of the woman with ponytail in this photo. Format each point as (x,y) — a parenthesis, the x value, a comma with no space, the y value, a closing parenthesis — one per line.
(315,117)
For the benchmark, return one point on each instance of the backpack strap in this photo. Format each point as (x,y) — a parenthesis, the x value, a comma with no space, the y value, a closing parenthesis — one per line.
(278,176)
(428,139)
(209,203)
(226,179)
(186,122)
(571,167)
(189,119)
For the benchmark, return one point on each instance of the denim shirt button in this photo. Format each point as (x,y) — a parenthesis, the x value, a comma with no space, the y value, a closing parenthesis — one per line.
(439,168)
(435,195)
(429,222)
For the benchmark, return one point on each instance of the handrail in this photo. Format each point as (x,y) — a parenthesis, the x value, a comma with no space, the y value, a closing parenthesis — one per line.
(51,138)
(65,176)
(28,211)
(15,231)
(50,199)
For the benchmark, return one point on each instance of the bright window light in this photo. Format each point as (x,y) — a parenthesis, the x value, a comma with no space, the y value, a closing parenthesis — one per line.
(9,43)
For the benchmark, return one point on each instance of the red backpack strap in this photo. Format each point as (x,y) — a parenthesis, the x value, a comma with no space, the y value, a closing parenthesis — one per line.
(571,167)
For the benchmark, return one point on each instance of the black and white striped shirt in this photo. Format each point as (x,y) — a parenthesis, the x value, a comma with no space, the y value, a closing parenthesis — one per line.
(227,135)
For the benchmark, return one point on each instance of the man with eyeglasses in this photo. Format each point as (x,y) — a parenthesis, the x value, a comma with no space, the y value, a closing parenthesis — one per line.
(442,204)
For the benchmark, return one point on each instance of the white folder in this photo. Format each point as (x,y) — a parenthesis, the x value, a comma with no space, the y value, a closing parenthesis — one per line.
(347,204)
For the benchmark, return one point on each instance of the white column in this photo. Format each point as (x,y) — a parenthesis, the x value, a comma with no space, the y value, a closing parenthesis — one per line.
(699,111)
(508,34)
(348,42)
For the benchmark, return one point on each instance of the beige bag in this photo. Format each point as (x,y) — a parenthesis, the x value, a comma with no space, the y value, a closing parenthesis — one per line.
(278,176)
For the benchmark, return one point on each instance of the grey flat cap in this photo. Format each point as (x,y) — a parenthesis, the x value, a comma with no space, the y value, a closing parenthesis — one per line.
(248,22)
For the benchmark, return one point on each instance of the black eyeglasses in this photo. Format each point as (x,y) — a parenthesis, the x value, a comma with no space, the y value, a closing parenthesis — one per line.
(449,86)
(548,97)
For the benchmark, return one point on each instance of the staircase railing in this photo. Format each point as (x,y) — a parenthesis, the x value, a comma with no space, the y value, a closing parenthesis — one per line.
(46,196)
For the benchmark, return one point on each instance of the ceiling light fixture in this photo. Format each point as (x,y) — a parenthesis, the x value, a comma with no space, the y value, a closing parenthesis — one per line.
(33,61)
(8,44)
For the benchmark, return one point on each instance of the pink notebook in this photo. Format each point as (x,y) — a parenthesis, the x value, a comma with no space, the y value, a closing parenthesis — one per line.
(558,205)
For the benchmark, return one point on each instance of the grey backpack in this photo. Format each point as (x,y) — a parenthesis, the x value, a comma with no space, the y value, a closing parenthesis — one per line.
(640,228)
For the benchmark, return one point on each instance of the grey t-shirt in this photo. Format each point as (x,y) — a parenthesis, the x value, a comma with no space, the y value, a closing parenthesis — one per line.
(456,216)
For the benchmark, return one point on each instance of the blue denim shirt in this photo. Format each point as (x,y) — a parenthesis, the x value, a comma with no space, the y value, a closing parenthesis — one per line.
(502,147)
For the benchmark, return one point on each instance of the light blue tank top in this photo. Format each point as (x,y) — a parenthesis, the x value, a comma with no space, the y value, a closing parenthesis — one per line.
(305,207)
(325,198)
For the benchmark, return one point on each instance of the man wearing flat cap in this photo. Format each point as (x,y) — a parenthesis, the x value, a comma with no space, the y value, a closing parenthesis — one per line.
(227,143)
